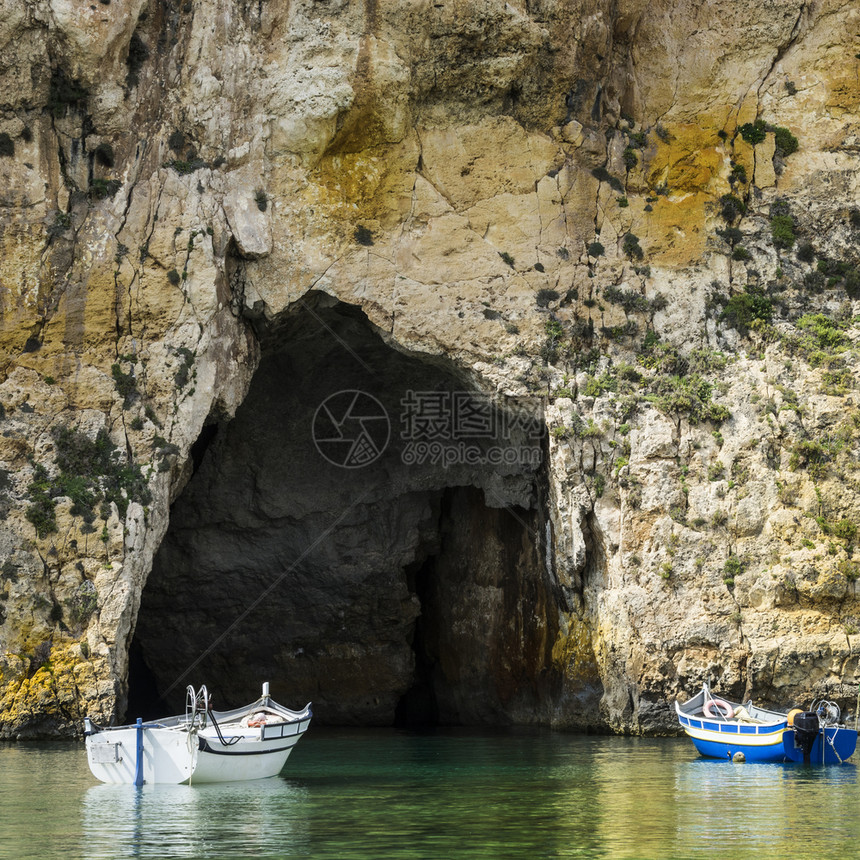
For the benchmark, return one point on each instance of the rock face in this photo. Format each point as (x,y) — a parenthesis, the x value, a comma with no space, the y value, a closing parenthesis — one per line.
(636,222)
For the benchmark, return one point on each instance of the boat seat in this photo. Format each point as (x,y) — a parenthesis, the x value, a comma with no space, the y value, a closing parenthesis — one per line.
(742,715)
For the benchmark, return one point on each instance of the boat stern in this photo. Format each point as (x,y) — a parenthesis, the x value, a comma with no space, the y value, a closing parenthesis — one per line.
(830,745)
(141,755)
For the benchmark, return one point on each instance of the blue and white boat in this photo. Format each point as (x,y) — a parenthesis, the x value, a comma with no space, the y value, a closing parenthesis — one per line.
(723,729)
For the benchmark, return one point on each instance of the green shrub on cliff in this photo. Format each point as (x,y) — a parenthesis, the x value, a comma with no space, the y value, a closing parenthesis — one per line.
(629,300)
(101,189)
(678,386)
(688,395)
(631,247)
(597,385)
(731,206)
(65,93)
(782,230)
(182,376)
(125,384)
(82,604)
(805,252)
(812,455)
(734,566)
(706,360)
(138,54)
(753,132)
(731,234)
(821,340)
(40,512)
(848,570)
(743,309)
(845,530)
(738,174)
(786,142)
(545,296)
(91,472)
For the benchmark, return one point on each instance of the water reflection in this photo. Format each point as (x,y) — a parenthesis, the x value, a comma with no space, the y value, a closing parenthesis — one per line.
(372,795)
(659,799)
(781,809)
(265,818)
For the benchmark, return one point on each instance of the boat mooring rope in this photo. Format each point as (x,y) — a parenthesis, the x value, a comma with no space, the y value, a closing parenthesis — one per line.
(857,709)
(832,745)
(234,740)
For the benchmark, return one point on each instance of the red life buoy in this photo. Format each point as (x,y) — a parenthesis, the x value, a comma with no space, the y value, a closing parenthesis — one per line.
(723,709)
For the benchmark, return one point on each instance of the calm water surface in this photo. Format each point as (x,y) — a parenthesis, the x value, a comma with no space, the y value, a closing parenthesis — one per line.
(387,794)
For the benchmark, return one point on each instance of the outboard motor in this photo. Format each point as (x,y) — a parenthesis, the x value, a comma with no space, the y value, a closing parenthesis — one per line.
(805,732)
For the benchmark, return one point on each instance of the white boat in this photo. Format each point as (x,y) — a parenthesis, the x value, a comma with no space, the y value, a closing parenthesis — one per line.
(201,745)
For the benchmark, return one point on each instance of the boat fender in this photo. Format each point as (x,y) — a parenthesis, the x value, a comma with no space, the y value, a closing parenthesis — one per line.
(719,709)
(792,714)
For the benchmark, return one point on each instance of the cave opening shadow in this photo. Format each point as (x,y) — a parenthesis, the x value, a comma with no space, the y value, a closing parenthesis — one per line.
(404,591)
(483,638)
(418,707)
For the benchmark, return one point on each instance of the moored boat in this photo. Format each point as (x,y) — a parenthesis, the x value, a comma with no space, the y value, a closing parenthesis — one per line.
(200,745)
(722,729)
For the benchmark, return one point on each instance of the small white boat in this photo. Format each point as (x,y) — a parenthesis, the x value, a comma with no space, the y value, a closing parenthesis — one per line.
(201,745)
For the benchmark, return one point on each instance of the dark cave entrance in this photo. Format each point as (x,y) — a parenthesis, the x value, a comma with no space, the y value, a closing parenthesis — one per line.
(479,658)
(390,574)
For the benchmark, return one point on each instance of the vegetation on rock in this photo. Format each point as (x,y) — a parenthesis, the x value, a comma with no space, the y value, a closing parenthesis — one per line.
(91,472)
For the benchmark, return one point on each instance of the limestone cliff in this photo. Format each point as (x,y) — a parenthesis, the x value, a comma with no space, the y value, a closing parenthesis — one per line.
(634,223)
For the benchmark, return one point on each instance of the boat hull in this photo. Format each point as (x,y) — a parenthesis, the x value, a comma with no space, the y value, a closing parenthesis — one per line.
(173,756)
(248,758)
(717,740)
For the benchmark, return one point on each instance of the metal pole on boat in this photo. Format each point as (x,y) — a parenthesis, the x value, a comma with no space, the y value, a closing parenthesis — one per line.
(138,769)
(857,709)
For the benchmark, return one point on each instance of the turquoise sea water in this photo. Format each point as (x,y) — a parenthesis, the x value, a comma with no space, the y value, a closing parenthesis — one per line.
(447,794)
